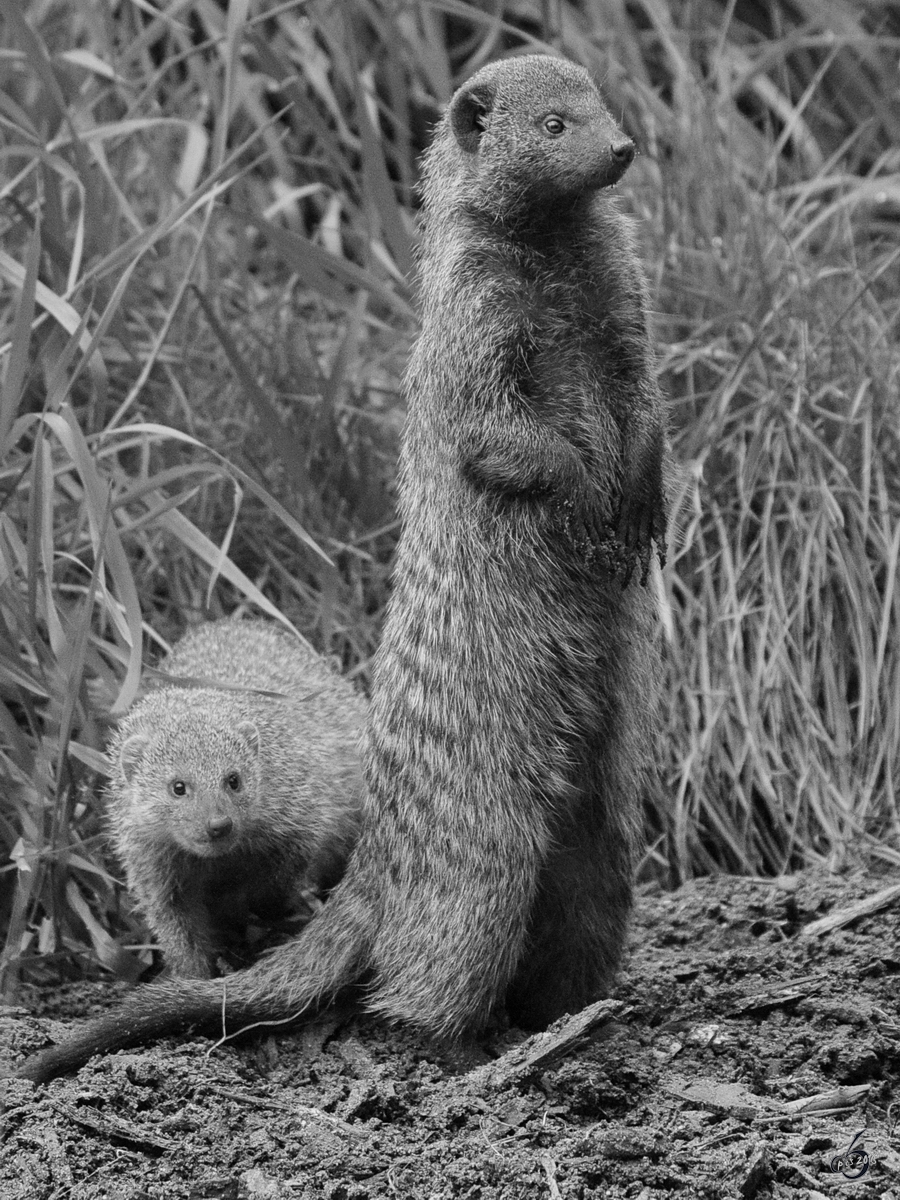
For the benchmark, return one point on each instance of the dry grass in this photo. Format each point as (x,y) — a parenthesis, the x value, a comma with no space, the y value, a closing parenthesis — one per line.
(207,233)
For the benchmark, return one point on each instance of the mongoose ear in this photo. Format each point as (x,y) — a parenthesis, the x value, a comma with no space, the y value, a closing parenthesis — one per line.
(132,752)
(469,112)
(248,731)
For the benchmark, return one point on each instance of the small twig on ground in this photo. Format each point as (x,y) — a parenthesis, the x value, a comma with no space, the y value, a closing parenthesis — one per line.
(784,992)
(550,1171)
(110,1126)
(836,1100)
(306,1110)
(541,1051)
(844,916)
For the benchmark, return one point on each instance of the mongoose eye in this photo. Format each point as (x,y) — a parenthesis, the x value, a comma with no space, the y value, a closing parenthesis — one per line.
(233,781)
(554,125)
(178,787)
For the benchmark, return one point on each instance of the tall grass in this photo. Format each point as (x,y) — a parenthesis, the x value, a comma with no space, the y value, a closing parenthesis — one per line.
(207,240)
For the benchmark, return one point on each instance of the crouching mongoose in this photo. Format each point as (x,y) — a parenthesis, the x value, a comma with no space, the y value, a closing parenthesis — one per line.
(511,731)
(230,803)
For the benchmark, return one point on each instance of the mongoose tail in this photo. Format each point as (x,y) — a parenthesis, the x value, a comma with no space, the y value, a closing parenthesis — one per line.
(292,981)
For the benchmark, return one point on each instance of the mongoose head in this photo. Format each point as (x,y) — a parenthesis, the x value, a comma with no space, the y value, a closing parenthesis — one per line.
(527,134)
(187,776)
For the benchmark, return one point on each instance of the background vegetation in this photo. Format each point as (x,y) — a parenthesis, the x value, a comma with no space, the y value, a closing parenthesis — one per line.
(206,244)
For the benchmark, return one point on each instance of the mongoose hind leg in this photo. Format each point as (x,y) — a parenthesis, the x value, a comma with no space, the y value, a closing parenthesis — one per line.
(577,930)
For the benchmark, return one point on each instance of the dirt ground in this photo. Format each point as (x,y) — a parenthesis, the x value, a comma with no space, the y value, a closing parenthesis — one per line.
(755,1033)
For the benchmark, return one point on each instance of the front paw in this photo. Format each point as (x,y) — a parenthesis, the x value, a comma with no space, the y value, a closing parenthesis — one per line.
(593,536)
(582,523)
(640,524)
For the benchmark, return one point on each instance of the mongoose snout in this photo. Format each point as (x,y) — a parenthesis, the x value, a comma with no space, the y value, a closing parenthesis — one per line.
(219,827)
(621,154)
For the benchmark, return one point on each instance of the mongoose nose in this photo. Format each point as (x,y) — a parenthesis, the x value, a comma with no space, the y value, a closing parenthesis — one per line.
(218,827)
(623,153)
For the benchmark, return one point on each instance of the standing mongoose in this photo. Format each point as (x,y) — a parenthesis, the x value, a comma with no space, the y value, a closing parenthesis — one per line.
(509,740)
(229,803)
